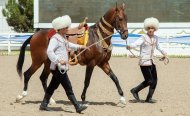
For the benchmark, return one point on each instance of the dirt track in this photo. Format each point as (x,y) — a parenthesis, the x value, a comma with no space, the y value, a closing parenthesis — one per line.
(172,93)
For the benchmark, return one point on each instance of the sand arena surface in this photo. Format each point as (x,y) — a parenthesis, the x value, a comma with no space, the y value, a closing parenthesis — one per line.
(172,93)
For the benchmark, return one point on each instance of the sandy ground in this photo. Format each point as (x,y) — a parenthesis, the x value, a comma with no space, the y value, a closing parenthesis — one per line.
(172,93)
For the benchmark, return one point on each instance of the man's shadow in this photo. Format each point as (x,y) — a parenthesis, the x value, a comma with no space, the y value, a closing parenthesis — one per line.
(136,101)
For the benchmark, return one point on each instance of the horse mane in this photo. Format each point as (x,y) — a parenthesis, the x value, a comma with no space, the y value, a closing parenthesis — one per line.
(92,32)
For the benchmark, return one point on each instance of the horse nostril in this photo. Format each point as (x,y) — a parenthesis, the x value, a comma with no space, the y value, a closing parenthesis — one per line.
(126,36)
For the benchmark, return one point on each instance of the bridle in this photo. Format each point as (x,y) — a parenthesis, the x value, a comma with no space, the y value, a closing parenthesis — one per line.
(116,20)
(115,24)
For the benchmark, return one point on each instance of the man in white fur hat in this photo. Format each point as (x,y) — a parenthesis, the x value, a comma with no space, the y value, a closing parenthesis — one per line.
(147,44)
(58,55)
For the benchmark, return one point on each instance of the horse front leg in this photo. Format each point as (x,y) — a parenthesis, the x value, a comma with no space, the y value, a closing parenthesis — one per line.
(88,75)
(106,68)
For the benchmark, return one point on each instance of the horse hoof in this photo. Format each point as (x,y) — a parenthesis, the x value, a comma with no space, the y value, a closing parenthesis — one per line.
(18,98)
(24,93)
(52,101)
(83,98)
(122,100)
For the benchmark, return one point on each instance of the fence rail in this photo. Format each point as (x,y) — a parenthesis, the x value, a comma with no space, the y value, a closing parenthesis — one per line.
(174,44)
(12,41)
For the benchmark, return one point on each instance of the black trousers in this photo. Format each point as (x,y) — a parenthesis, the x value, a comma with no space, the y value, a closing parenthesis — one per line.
(150,76)
(58,79)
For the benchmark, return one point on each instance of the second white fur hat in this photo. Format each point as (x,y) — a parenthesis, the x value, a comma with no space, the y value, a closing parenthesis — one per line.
(61,22)
(151,22)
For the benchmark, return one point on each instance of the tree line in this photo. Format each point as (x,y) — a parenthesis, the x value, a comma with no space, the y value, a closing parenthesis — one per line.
(19,15)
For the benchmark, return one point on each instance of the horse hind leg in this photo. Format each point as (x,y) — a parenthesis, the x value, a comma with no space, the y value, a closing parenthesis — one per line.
(27,76)
(106,68)
(44,75)
(88,75)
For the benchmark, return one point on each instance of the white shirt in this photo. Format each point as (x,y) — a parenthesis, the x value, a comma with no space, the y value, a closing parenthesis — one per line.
(58,50)
(147,47)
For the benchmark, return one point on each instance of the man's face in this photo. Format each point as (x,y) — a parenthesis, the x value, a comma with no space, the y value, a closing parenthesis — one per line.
(64,30)
(150,31)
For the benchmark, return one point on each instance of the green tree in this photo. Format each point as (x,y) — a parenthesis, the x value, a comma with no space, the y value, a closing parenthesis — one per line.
(19,15)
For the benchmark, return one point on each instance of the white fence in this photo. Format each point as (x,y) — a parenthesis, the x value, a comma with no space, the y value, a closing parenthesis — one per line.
(12,41)
(173,44)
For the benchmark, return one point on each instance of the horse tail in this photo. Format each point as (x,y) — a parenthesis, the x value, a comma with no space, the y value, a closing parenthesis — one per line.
(21,56)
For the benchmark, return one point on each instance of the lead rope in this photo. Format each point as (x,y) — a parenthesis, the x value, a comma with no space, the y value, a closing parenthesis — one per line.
(164,59)
(91,46)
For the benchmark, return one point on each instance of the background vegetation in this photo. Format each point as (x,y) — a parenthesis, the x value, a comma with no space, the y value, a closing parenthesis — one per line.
(19,15)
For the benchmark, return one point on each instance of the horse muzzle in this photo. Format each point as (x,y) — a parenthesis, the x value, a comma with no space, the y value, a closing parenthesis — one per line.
(124,34)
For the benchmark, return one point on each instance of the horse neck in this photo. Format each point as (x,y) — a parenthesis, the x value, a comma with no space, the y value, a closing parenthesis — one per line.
(105,30)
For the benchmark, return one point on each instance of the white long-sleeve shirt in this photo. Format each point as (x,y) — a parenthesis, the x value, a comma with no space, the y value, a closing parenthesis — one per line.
(58,50)
(147,47)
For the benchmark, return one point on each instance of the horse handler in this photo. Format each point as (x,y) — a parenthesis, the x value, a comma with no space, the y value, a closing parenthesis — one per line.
(147,43)
(57,53)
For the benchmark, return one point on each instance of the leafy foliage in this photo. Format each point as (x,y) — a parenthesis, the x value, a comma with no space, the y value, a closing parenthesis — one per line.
(19,15)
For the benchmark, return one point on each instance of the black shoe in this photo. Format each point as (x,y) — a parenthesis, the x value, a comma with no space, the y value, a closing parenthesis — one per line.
(135,94)
(81,107)
(149,96)
(45,108)
(45,102)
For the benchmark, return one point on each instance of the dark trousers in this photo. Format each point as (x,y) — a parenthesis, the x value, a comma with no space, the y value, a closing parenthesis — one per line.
(150,76)
(58,79)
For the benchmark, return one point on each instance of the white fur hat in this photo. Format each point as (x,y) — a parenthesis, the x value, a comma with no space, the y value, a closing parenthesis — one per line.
(148,22)
(61,22)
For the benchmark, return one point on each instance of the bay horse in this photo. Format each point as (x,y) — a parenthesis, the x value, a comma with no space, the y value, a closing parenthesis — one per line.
(97,55)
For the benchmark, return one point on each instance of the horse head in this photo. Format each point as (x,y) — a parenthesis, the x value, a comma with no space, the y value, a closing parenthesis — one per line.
(117,18)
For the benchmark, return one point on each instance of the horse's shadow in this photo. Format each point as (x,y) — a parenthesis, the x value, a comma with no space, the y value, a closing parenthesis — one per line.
(87,102)
(69,103)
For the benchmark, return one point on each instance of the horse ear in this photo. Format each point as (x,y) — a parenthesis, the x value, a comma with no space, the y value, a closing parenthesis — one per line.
(116,6)
(123,6)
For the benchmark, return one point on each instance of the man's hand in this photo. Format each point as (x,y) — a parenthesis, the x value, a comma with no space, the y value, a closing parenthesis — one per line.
(128,47)
(62,62)
(82,47)
(165,59)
